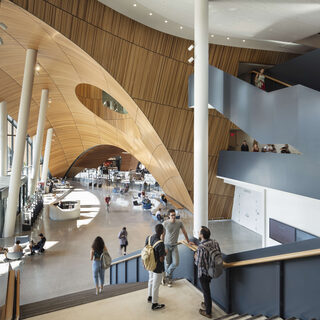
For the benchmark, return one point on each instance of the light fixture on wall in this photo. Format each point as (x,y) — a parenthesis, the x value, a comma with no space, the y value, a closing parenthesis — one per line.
(38,67)
(191,59)
(3,26)
(190,47)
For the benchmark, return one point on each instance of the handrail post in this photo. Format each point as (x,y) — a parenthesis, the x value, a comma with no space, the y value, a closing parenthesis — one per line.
(281,288)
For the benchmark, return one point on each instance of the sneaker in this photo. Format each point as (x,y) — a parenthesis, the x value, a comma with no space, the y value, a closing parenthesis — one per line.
(203,313)
(149,299)
(157,306)
(164,280)
(100,290)
(97,292)
(203,305)
(169,283)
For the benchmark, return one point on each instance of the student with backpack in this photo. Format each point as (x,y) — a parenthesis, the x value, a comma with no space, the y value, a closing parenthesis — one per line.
(152,256)
(209,261)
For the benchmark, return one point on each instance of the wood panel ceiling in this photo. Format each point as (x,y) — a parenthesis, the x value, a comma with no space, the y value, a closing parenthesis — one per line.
(64,67)
(152,68)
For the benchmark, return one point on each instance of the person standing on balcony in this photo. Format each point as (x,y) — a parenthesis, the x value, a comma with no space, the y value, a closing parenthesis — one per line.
(172,229)
(123,237)
(260,80)
(255,146)
(244,146)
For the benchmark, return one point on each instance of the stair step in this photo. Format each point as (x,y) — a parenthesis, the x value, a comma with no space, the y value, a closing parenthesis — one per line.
(78,298)
(275,318)
(228,316)
(258,317)
(242,317)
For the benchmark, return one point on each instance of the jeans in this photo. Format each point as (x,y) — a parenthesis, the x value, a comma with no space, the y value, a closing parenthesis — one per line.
(98,273)
(205,284)
(153,285)
(172,259)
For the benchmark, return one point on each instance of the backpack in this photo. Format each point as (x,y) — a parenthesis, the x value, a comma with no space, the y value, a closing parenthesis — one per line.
(147,256)
(215,260)
(105,260)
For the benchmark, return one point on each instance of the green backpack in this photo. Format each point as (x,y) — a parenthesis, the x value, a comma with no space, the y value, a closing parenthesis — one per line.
(147,256)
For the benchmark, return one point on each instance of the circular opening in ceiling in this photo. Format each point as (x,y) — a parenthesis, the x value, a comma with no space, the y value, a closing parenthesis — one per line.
(112,104)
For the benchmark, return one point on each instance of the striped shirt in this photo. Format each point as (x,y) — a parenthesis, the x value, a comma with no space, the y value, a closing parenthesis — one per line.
(202,256)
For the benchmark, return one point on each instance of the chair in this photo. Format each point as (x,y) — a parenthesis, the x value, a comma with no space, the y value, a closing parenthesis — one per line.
(24,240)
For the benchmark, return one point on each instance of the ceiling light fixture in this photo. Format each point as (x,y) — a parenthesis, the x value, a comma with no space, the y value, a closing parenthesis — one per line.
(150,13)
(49,100)
(3,26)
(190,47)
(212,36)
(181,27)
(38,67)
(243,40)
(228,38)
(165,21)
(134,4)
(191,59)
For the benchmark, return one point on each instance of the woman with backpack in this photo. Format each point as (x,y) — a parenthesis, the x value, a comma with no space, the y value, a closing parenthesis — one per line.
(123,237)
(96,251)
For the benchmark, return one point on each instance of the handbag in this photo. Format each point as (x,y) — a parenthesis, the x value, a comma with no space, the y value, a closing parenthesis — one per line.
(105,259)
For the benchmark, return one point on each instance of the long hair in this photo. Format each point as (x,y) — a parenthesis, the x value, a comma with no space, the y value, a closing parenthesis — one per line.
(98,244)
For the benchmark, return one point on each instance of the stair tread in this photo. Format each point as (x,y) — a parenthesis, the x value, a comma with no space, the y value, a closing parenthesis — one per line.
(78,298)
(227,316)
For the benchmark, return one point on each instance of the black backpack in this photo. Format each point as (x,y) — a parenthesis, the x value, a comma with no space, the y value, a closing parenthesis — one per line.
(215,260)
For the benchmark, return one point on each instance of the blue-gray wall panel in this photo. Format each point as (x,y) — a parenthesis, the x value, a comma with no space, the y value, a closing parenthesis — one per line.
(132,270)
(289,115)
(256,289)
(302,288)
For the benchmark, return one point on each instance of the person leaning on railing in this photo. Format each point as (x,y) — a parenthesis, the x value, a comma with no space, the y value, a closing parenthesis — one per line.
(260,80)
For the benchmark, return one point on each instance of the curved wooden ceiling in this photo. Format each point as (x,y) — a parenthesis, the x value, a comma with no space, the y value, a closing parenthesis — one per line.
(152,68)
(64,67)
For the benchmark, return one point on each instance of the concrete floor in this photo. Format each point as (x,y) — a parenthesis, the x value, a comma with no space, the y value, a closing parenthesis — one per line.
(65,267)
(182,302)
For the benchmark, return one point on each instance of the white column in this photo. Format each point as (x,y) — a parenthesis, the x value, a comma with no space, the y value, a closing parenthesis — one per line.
(201,65)
(39,138)
(45,165)
(3,138)
(20,141)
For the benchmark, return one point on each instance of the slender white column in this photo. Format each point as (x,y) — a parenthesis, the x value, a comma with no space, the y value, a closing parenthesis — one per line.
(45,165)
(201,66)
(3,138)
(24,109)
(39,138)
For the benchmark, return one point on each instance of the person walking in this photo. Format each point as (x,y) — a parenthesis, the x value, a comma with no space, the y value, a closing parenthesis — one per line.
(202,263)
(172,229)
(123,237)
(97,248)
(155,276)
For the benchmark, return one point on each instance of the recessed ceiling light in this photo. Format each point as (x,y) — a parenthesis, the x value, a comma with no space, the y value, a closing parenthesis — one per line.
(150,13)
(243,40)
(134,4)
(228,38)
(212,36)
(181,27)
(49,100)
(38,67)
(165,21)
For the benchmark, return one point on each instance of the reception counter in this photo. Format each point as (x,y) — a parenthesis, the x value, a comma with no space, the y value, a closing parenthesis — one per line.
(64,210)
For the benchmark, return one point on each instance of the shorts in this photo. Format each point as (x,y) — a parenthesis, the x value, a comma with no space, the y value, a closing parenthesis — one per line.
(123,246)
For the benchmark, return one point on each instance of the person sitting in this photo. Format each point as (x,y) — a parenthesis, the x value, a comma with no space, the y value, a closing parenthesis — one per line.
(285,149)
(4,251)
(39,246)
(17,247)
(255,146)
(244,146)
(163,200)
(159,215)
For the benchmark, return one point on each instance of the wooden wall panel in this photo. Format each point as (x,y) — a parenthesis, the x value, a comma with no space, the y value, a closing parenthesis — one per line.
(152,67)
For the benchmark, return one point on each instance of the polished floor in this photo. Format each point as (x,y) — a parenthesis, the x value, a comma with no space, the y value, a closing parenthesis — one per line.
(182,302)
(65,267)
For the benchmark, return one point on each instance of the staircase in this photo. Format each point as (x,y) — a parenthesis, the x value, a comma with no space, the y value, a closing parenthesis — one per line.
(235,316)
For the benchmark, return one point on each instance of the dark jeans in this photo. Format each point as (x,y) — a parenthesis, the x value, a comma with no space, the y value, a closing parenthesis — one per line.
(205,284)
